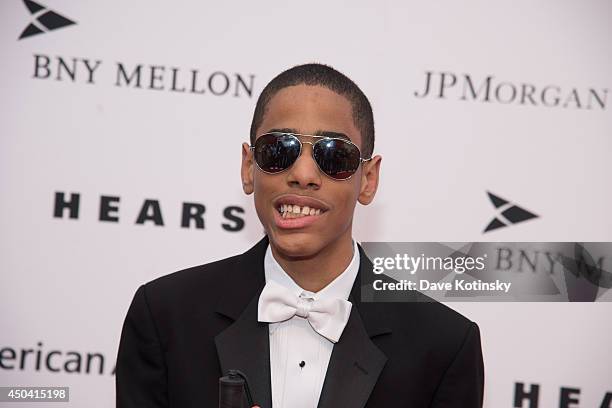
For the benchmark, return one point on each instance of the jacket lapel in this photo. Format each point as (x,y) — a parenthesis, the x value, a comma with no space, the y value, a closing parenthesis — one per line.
(355,363)
(245,344)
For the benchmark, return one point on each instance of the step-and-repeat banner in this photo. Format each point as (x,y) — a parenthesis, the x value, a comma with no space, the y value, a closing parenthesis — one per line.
(120,144)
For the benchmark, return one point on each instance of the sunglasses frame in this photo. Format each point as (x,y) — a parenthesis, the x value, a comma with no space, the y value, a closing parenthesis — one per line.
(321,138)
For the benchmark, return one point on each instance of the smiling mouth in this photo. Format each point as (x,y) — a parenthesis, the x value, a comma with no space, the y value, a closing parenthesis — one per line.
(295,211)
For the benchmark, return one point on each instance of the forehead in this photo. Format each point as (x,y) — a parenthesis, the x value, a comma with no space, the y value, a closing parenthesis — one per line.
(310,109)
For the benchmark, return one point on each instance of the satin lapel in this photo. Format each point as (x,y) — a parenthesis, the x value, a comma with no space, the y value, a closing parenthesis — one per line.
(356,362)
(353,369)
(245,344)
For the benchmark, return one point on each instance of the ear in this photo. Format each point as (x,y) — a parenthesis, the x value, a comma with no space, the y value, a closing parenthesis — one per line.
(246,169)
(369,180)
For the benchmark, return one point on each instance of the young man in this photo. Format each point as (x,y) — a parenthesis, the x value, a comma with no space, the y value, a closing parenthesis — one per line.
(288,312)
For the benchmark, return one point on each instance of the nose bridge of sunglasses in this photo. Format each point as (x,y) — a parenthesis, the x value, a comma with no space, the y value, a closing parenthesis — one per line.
(308,145)
(307,154)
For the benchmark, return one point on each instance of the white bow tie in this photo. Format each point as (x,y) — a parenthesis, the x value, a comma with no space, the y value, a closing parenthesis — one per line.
(328,317)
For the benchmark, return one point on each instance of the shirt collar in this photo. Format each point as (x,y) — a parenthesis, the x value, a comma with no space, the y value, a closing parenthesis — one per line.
(339,288)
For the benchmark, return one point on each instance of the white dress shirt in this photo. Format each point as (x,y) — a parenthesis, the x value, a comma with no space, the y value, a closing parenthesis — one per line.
(294,341)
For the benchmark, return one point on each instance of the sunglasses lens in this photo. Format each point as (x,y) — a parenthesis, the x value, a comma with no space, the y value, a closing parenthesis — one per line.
(275,152)
(337,158)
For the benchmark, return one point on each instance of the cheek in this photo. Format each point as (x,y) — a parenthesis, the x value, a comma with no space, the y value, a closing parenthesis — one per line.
(259,195)
(347,198)
(263,188)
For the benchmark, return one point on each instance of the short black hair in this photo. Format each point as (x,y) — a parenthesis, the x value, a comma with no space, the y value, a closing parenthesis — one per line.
(328,77)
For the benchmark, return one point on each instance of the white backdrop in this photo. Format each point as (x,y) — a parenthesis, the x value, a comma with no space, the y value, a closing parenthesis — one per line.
(66,283)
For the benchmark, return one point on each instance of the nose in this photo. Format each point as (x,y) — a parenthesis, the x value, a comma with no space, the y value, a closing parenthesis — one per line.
(305,173)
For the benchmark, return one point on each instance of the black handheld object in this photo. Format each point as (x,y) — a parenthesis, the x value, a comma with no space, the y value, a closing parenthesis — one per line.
(232,387)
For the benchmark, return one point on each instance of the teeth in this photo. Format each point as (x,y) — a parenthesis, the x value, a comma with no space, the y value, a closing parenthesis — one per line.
(295,211)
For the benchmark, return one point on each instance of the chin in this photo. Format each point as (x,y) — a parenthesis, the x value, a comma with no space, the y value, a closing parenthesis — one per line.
(296,245)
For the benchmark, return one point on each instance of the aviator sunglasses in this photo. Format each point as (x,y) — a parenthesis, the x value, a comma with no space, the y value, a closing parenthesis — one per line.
(336,157)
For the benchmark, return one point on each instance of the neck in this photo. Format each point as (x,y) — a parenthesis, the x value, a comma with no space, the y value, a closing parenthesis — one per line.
(313,273)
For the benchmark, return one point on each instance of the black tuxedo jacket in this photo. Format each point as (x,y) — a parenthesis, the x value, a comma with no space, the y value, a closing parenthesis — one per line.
(183,330)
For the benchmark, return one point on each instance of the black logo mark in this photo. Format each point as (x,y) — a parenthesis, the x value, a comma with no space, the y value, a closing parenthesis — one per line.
(44,20)
(508,213)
